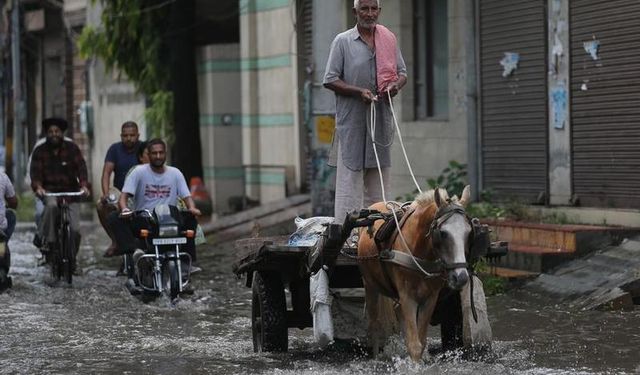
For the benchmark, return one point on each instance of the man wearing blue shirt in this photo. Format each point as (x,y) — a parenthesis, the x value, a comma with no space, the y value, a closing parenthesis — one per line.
(121,156)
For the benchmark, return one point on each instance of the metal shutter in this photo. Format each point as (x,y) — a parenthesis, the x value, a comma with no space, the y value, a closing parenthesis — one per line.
(513,110)
(605,113)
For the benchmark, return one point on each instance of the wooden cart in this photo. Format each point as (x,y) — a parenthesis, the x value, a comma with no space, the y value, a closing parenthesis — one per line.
(271,267)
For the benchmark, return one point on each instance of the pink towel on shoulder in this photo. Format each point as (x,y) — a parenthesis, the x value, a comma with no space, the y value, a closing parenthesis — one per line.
(386,63)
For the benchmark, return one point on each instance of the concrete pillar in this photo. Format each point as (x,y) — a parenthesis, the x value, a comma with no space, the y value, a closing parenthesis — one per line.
(220,124)
(559,103)
(270,114)
(249,84)
(331,15)
(463,84)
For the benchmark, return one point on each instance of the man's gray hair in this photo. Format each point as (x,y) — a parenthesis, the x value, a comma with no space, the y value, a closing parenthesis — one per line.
(357,2)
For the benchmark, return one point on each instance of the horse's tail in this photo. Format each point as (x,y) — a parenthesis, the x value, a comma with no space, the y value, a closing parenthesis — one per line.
(387,317)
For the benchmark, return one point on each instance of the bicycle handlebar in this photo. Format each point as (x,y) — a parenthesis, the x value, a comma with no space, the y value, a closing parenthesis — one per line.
(64,194)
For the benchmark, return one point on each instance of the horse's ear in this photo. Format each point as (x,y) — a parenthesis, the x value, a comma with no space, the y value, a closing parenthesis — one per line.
(466,196)
(437,198)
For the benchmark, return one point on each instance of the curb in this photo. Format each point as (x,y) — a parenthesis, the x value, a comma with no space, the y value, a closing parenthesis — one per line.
(230,227)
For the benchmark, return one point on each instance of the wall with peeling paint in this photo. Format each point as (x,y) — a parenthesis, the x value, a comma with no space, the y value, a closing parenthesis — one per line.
(513,105)
(605,103)
(559,119)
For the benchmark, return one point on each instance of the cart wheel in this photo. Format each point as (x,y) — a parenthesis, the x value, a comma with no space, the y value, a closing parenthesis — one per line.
(451,324)
(268,313)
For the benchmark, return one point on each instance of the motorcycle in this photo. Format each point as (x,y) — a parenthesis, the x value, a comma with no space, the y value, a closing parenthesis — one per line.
(160,267)
(5,263)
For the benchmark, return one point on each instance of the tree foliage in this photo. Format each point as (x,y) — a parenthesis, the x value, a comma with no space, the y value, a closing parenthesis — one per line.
(152,42)
(130,40)
(159,115)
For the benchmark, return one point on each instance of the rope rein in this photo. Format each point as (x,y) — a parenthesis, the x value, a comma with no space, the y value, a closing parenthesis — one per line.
(384,198)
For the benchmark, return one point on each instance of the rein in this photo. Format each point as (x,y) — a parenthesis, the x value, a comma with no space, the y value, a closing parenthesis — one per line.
(430,269)
(443,215)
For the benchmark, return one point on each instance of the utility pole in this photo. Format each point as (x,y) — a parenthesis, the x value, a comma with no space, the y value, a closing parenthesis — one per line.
(3,78)
(18,109)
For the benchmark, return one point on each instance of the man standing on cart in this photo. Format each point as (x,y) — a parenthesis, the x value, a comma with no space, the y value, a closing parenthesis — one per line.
(57,166)
(365,68)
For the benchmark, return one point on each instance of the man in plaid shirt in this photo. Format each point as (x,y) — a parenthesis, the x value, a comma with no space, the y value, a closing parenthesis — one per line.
(57,166)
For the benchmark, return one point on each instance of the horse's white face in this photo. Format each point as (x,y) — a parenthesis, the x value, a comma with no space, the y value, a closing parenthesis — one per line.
(454,234)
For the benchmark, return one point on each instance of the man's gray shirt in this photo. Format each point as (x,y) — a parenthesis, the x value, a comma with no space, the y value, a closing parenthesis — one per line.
(352,61)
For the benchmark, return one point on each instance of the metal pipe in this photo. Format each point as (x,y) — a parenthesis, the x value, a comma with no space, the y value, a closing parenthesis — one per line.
(17,95)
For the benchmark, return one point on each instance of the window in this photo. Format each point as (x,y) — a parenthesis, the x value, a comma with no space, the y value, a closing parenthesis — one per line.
(432,59)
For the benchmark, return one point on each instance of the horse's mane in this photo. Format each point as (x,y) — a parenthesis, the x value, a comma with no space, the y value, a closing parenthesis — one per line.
(427,197)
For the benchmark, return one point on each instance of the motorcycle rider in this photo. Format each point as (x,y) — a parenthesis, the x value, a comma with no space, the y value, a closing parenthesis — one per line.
(150,185)
(7,225)
(7,217)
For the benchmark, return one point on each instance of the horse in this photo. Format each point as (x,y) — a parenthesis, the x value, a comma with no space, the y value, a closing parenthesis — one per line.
(405,291)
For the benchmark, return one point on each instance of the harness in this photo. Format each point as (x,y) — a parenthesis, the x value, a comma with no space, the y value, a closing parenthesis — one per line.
(387,234)
(389,231)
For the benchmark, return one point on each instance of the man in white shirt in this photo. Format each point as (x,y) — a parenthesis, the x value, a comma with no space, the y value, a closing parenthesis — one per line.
(150,185)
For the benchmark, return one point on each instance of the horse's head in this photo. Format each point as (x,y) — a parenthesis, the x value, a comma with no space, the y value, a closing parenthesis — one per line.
(450,233)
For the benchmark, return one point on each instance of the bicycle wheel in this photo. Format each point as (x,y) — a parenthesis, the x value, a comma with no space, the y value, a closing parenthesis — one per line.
(67,254)
(54,257)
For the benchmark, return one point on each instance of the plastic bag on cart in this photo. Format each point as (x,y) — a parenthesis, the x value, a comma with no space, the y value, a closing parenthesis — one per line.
(321,307)
(309,230)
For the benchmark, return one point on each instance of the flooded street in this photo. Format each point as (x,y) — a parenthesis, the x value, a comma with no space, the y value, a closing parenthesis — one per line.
(96,326)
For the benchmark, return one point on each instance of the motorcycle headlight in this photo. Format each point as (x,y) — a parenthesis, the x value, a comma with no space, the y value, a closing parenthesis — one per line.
(168,231)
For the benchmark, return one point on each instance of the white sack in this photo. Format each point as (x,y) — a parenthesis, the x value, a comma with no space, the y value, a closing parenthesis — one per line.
(321,308)
(309,230)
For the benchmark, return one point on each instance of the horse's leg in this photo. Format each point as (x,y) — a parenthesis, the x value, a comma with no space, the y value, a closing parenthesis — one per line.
(424,319)
(409,309)
(371,302)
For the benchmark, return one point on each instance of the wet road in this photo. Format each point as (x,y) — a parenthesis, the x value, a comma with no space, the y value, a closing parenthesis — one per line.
(97,327)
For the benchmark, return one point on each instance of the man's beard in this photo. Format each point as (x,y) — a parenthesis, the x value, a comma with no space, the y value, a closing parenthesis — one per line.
(157,163)
(54,141)
(367,25)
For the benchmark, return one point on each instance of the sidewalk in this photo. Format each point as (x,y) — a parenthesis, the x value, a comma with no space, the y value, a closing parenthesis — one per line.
(244,223)
(607,279)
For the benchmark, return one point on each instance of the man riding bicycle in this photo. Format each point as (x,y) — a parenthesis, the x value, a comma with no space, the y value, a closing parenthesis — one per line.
(57,166)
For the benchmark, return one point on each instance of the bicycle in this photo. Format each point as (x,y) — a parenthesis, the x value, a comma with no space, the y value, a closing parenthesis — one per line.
(63,256)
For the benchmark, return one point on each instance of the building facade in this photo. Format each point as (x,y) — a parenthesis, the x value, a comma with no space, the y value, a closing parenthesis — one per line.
(559,114)
(281,119)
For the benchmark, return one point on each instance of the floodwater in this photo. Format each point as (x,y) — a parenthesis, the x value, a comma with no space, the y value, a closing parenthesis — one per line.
(96,326)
